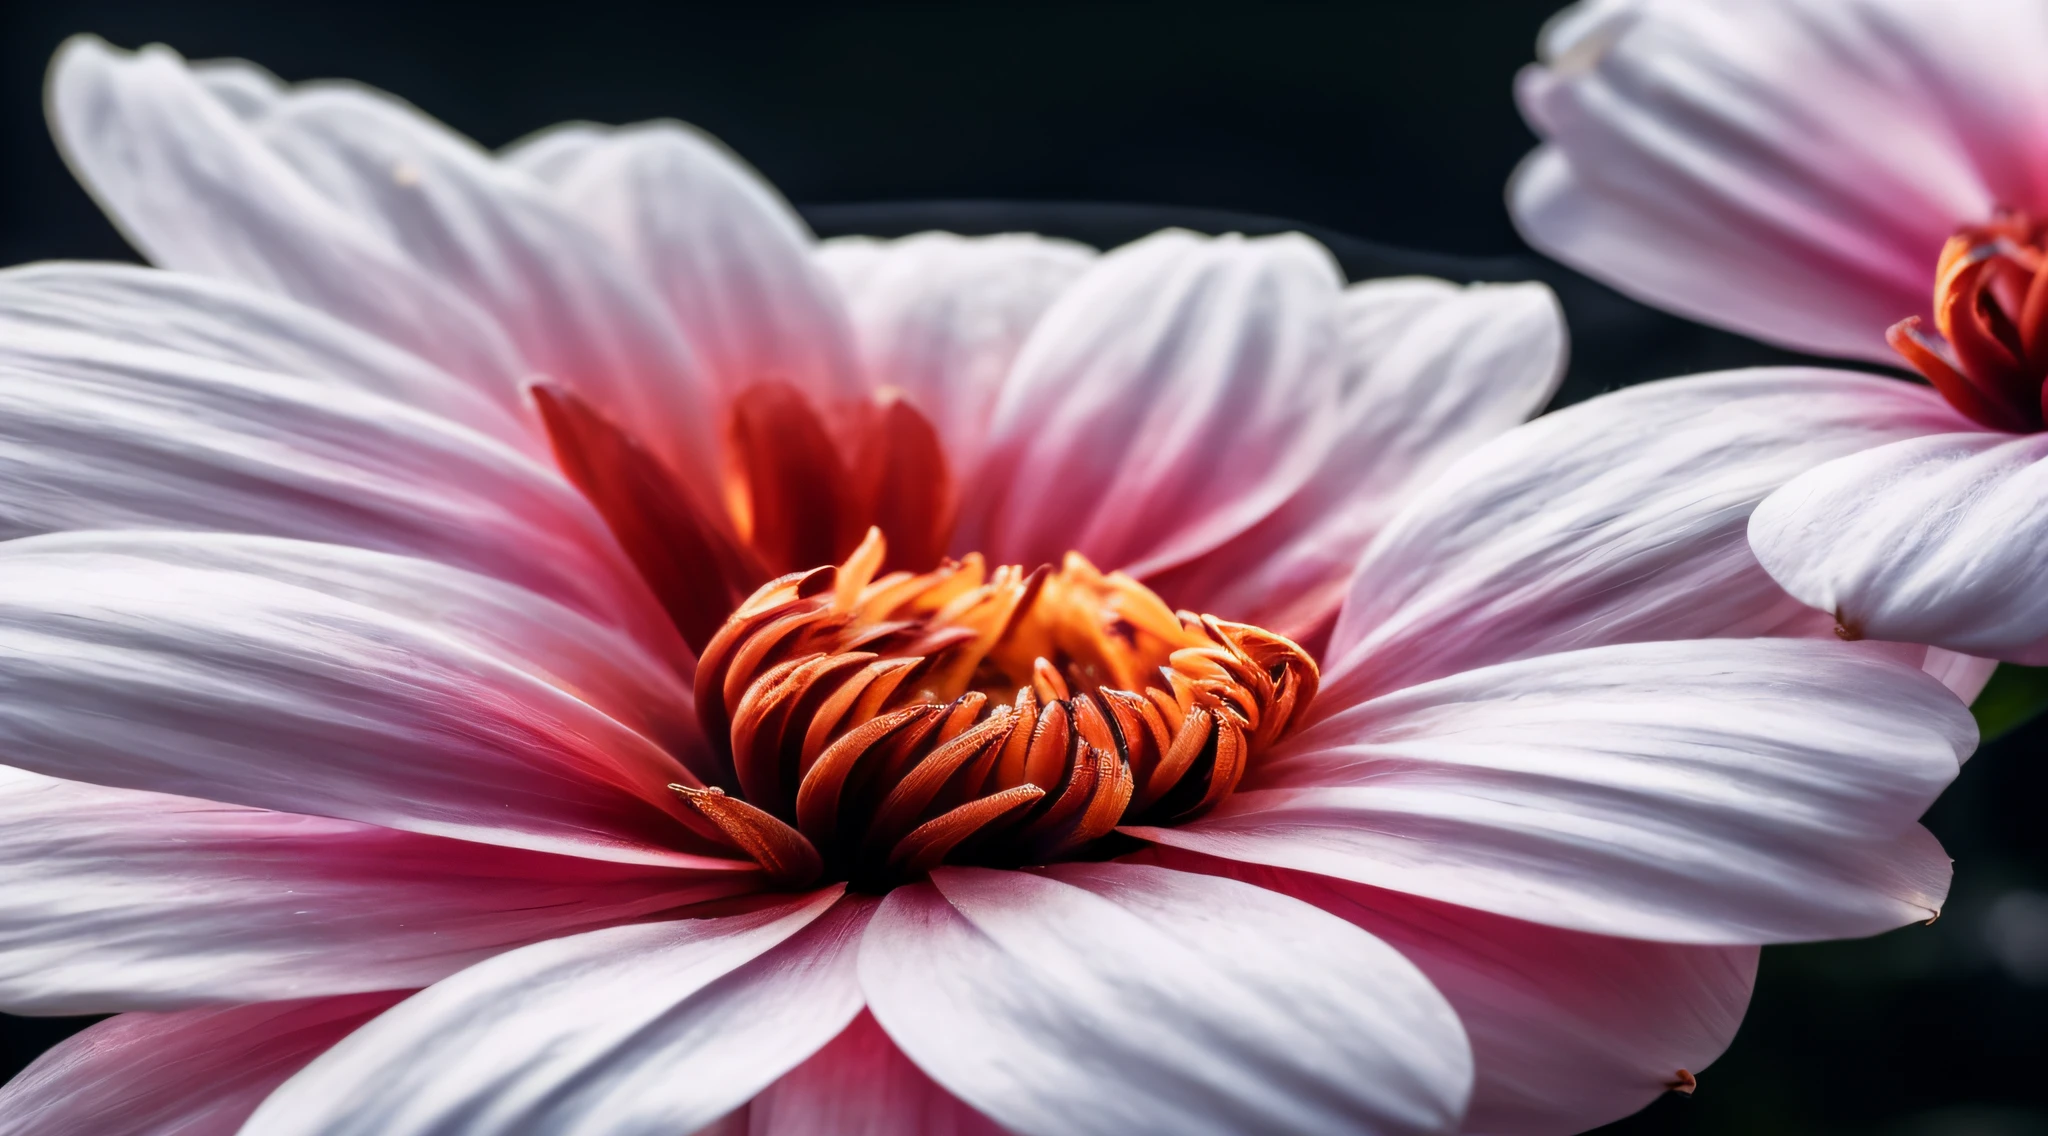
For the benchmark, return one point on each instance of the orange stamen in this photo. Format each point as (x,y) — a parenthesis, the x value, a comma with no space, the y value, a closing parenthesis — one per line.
(897,722)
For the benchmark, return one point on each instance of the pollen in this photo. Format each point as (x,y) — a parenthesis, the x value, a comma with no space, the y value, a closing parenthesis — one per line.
(877,725)
(1991,309)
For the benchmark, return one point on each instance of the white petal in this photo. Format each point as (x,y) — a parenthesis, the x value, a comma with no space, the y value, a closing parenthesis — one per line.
(1932,540)
(1717,791)
(729,257)
(224,322)
(190,1073)
(194,189)
(650,1030)
(119,900)
(577,309)
(860,1085)
(1124,999)
(331,681)
(1789,170)
(403,185)
(100,433)
(1620,519)
(1569,1030)
(1429,371)
(1176,393)
(942,317)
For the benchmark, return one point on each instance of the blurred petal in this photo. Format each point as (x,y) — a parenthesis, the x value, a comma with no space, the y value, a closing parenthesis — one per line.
(1930,540)
(189,1073)
(1121,998)
(1179,391)
(119,900)
(729,258)
(330,681)
(941,316)
(1786,169)
(1621,519)
(650,1030)
(1429,371)
(860,1085)
(1708,792)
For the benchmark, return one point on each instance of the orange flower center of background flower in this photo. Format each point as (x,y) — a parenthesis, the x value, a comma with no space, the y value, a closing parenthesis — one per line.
(1991,307)
(880,725)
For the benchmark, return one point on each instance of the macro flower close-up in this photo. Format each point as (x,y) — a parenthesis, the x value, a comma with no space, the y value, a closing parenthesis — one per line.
(550,638)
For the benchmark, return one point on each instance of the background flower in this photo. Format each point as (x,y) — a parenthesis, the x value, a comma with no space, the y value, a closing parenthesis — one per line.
(1793,170)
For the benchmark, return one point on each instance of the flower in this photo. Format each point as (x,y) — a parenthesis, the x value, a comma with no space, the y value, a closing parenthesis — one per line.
(1845,178)
(540,606)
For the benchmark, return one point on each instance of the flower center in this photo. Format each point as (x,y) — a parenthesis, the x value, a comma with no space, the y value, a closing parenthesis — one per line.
(798,489)
(1991,307)
(880,725)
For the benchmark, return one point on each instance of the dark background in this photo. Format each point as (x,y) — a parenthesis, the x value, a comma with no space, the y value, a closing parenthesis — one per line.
(1386,128)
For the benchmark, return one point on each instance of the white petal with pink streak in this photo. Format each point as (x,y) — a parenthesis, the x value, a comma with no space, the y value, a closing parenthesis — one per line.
(1126,999)
(650,1030)
(942,317)
(194,189)
(1714,791)
(1177,392)
(1932,540)
(222,321)
(1569,1030)
(404,187)
(323,680)
(1786,168)
(120,900)
(1621,519)
(187,1073)
(100,433)
(1429,370)
(729,258)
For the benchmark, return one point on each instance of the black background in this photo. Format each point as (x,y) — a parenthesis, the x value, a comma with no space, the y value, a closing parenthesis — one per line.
(1387,128)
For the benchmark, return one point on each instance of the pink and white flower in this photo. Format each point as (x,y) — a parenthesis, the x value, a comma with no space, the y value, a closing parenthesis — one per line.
(1844,177)
(518,579)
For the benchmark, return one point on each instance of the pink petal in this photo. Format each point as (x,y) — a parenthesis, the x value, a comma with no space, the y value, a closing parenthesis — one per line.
(1788,170)
(1117,998)
(119,900)
(221,321)
(1429,371)
(98,433)
(336,682)
(1621,519)
(942,316)
(1569,1031)
(1715,791)
(194,189)
(651,1030)
(189,1073)
(1966,675)
(860,1085)
(1931,540)
(1179,391)
(730,259)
